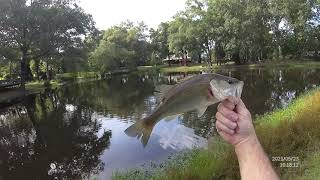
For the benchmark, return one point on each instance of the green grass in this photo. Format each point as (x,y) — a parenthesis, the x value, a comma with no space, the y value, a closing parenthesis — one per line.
(77,75)
(290,132)
(61,79)
(276,64)
(230,65)
(38,85)
(173,69)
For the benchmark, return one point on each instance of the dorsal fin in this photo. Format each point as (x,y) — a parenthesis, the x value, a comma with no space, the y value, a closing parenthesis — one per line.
(161,90)
(184,79)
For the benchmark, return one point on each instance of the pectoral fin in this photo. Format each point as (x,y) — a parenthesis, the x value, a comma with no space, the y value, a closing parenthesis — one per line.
(201,111)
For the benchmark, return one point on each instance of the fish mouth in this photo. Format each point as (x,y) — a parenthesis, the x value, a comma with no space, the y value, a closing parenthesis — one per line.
(210,93)
(239,89)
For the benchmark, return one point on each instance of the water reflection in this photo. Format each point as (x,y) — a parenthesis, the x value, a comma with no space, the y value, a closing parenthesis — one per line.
(77,132)
(44,137)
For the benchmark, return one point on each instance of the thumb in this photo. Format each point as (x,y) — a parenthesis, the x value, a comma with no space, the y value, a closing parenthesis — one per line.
(240,107)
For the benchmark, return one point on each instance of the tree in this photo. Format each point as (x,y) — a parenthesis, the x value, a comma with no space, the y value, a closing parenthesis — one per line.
(41,29)
(159,41)
(123,46)
(178,39)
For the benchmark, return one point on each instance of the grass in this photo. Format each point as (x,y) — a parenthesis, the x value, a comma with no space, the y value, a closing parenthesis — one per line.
(230,65)
(173,68)
(273,64)
(77,75)
(61,79)
(38,85)
(290,132)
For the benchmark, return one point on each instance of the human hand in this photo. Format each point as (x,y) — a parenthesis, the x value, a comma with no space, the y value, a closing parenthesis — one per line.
(234,122)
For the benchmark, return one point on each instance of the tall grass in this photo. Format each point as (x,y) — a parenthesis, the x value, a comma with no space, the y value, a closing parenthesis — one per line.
(290,132)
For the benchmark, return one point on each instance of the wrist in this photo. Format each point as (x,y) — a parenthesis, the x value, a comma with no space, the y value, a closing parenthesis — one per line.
(249,142)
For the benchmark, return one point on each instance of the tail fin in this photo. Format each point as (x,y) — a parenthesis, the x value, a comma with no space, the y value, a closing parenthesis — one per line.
(140,130)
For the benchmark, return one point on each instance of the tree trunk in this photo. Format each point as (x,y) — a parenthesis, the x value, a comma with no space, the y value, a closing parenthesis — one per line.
(30,104)
(185,56)
(209,56)
(200,59)
(37,63)
(236,58)
(23,69)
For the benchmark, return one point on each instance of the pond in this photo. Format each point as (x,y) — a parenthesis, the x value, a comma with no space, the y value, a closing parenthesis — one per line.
(78,131)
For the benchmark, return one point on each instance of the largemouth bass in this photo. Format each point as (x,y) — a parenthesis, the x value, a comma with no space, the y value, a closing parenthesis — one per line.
(196,93)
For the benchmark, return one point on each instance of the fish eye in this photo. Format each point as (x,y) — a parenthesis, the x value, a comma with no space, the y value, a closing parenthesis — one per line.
(230,82)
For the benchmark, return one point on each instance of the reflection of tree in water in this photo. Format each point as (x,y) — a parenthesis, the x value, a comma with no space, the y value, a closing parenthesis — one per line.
(122,96)
(59,129)
(203,126)
(269,89)
(265,90)
(46,133)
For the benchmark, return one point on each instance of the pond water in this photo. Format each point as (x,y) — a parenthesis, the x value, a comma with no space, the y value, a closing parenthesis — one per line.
(78,131)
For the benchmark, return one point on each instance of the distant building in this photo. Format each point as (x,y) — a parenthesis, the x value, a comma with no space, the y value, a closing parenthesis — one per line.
(176,60)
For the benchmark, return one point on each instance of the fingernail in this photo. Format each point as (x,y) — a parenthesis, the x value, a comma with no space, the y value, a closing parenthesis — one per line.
(234,125)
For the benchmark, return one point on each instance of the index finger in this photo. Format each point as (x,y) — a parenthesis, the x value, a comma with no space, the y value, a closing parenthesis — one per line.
(228,104)
(233,100)
(239,105)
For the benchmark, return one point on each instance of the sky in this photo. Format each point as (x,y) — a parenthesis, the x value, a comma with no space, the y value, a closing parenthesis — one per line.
(107,13)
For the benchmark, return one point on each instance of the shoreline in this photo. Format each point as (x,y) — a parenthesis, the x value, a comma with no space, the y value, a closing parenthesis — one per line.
(70,78)
(200,67)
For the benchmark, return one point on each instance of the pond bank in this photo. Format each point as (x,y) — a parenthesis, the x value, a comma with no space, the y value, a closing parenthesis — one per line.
(10,95)
(200,67)
(292,132)
(69,78)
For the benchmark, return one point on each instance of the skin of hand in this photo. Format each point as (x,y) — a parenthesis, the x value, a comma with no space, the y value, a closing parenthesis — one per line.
(234,122)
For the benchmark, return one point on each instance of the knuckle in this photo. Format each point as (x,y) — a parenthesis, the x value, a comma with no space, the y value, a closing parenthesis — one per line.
(217,115)
(218,126)
(231,116)
(228,104)
(219,106)
(223,110)
(231,131)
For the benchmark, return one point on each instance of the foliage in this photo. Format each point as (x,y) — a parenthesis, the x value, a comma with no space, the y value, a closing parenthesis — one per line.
(159,41)
(245,31)
(122,46)
(40,29)
(48,36)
